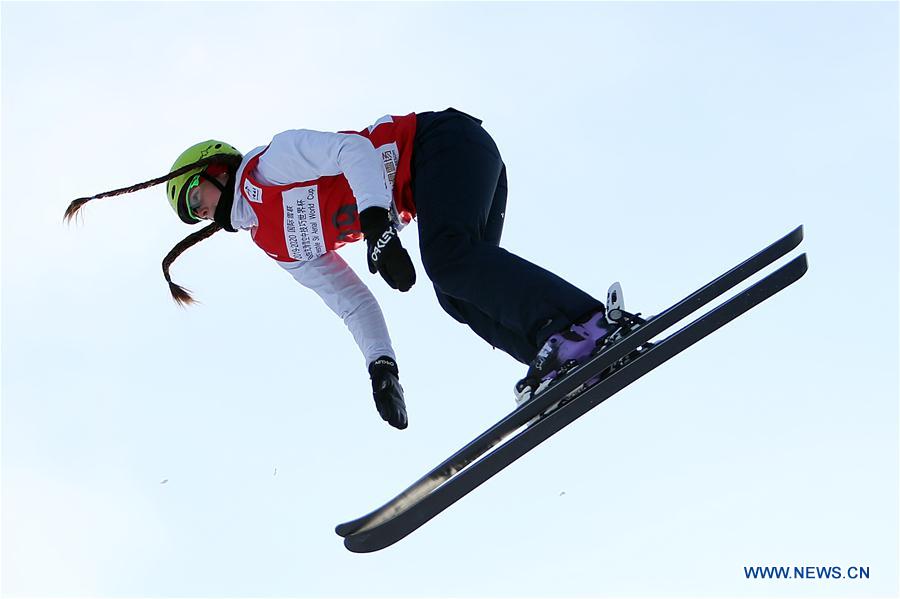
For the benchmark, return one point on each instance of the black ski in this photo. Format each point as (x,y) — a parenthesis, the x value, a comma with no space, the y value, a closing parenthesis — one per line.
(396,528)
(523,414)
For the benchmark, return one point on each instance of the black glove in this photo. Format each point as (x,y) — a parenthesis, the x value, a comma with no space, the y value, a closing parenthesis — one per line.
(385,254)
(388,392)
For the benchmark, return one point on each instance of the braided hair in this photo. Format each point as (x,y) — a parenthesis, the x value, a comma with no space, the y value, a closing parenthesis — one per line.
(181,295)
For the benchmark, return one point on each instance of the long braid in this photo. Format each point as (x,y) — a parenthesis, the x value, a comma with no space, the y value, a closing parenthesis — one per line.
(181,295)
(76,205)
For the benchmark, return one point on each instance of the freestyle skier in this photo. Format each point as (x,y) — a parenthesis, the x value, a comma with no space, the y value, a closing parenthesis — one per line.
(307,193)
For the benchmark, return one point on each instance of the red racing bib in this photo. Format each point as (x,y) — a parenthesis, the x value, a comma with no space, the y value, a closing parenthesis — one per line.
(304,220)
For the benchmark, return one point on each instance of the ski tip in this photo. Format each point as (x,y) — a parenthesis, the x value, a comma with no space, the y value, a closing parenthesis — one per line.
(342,530)
(351,546)
(358,544)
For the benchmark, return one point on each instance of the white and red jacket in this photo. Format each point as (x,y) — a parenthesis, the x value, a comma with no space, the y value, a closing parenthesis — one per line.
(300,197)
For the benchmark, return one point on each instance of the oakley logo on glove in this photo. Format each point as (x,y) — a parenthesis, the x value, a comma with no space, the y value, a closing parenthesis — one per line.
(382,242)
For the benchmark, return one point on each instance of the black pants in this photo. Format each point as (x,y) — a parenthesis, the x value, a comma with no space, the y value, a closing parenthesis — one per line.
(459,186)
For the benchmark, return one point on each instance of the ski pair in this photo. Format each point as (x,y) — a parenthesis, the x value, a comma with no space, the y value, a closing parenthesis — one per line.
(475,463)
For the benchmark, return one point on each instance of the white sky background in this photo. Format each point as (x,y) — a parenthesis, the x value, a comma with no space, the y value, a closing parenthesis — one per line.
(655,144)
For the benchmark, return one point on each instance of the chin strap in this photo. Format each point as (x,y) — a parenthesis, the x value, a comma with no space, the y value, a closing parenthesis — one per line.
(222,216)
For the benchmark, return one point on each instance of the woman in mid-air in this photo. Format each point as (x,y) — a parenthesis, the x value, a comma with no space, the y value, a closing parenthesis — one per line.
(307,193)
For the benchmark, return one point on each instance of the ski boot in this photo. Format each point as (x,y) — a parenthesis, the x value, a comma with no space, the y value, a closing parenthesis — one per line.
(564,351)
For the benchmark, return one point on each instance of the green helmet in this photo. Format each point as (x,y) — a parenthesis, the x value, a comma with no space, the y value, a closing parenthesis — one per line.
(177,188)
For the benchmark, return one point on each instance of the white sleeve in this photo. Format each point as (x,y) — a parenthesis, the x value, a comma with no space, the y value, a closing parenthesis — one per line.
(339,287)
(304,155)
